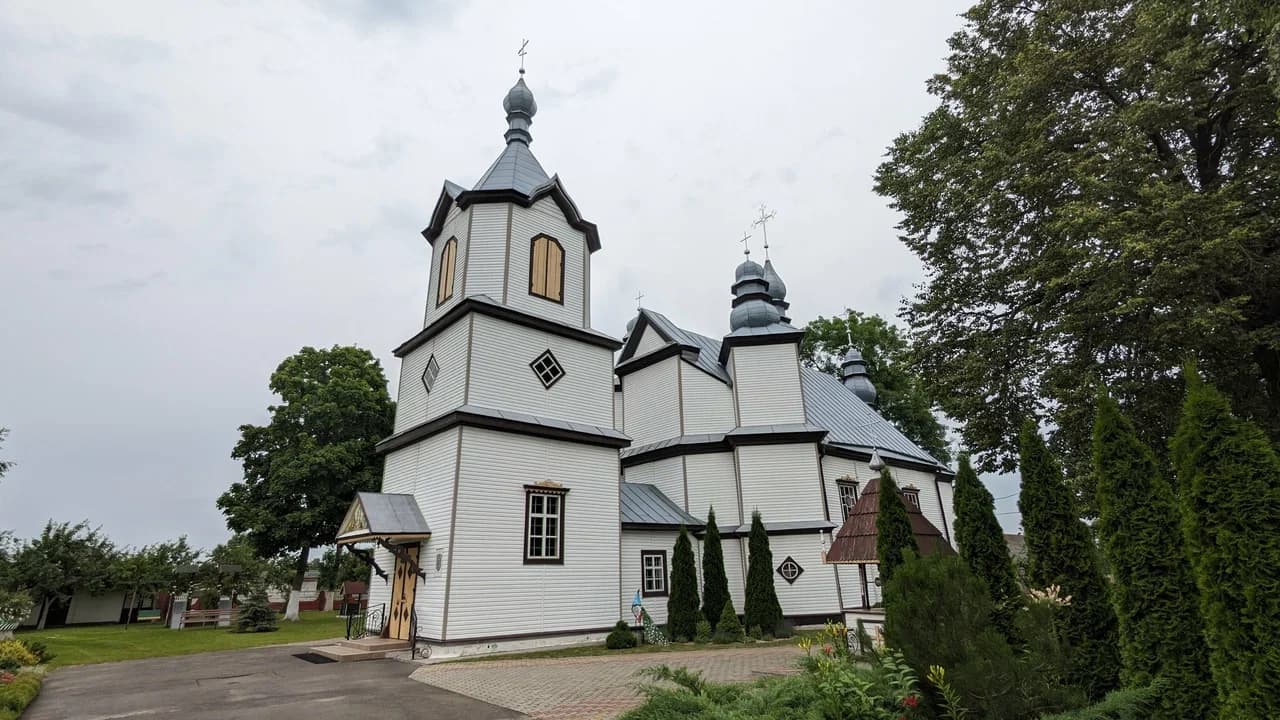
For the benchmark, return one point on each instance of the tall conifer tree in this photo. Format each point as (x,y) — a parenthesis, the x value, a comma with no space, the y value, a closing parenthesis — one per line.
(715,584)
(682,597)
(893,528)
(761,608)
(982,545)
(1161,632)
(1229,485)
(1060,551)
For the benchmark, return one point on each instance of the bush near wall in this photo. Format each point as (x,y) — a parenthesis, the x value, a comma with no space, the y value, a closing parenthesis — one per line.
(1131,704)
(18,693)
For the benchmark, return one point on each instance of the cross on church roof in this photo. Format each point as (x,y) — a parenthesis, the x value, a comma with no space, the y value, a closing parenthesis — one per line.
(763,221)
(639,297)
(746,249)
(522,52)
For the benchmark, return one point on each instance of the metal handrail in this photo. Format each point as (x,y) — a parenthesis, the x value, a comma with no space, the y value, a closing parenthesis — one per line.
(360,625)
(418,646)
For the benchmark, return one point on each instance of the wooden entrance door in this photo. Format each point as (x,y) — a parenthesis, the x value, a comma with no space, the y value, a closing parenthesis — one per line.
(404,585)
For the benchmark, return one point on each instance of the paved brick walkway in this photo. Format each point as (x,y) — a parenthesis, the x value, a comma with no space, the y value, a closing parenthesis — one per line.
(594,688)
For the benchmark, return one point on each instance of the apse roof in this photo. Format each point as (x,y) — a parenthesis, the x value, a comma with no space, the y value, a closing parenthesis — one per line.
(644,504)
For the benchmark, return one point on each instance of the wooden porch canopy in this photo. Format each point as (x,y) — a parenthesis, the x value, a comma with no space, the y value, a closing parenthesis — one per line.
(855,541)
(384,518)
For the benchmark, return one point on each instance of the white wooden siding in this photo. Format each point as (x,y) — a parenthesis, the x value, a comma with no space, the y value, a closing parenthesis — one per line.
(925,483)
(735,569)
(948,504)
(651,406)
(814,592)
(501,377)
(617,411)
(667,475)
(426,471)
(454,226)
(414,405)
(768,384)
(633,542)
(707,402)
(851,585)
(544,217)
(650,340)
(781,481)
(492,591)
(835,468)
(713,483)
(486,263)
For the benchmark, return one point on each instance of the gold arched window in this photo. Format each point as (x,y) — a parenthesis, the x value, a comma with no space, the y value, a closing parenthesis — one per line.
(546,269)
(448,263)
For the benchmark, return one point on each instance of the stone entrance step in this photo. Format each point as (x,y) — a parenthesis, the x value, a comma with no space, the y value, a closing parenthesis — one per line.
(362,649)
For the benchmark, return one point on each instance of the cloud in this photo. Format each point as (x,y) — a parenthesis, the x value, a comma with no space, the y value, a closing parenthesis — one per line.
(76,185)
(370,15)
(133,284)
(593,85)
(87,108)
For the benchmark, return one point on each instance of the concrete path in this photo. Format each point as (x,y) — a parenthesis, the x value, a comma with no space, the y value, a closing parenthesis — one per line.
(598,687)
(258,684)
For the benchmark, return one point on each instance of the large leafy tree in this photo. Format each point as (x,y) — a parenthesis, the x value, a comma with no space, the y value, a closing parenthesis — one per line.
(303,468)
(682,596)
(65,559)
(152,568)
(761,608)
(981,541)
(1229,485)
(1157,605)
(900,395)
(5,465)
(335,569)
(1094,200)
(1060,552)
(715,583)
(893,528)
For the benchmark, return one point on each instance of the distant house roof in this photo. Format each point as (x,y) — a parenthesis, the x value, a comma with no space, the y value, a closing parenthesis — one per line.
(828,404)
(855,541)
(643,505)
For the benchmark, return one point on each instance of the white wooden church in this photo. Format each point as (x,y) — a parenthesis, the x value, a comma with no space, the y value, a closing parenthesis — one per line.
(539,469)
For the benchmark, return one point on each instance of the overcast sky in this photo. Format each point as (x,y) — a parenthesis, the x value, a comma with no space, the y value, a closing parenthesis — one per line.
(190,192)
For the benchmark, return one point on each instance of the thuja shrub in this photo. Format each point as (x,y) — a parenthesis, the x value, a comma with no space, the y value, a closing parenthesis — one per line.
(1128,704)
(620,637)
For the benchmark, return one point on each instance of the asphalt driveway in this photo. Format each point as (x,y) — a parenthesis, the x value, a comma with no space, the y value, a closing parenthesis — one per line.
(258,684)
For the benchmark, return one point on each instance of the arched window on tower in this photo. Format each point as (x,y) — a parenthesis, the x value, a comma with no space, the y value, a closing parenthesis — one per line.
(448,263)
(546,269)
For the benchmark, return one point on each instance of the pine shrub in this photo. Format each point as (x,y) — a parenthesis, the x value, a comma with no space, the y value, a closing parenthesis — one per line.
(1130,704)
(256,614)
(761,607)
(1229,484)
(1060,552)
(1155,597)
(715,582)
(729,629)
(620,637)
(682,599)
(981,541)
(893,528)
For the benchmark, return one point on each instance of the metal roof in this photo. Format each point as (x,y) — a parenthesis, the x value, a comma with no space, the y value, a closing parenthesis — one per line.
(701,439)
(852,422)
(515,169)
(383,515)
(643,504)
(708,348)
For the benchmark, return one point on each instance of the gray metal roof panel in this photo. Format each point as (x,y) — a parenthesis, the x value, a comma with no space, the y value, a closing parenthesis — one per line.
(393,514)
(515,169)
(748,430)
(850,421)
(678,440)
(644,504)
(708,349)
(771,527)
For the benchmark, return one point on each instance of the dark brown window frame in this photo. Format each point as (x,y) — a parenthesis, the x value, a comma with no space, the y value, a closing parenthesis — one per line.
(911,496)
(666,577)
(448,251)
(842,483)
(529,492)
(533,242)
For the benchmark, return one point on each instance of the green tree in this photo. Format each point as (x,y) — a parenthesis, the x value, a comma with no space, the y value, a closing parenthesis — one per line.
(1229,482)
(1060,551)
(1161,632)
(682,596)
(335,570)
(715,583)
(65,559)
(1094,199)
(761,608)
(981,541)
(5,465)
(302,469)
(152,568)
(893,528)
(900,394)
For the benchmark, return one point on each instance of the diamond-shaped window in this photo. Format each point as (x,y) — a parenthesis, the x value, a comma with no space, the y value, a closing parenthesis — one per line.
(547,368)
(430,374)
(790,570)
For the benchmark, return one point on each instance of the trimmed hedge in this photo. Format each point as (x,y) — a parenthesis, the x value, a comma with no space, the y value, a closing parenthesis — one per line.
(15,696)
(1132,704)
(620,637)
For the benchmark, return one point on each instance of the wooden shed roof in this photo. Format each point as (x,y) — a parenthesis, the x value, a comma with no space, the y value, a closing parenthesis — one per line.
(855,541)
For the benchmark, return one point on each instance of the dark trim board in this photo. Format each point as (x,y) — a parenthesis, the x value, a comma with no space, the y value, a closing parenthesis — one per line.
(939,474)
(663,528)
(470,418)
(776,338)
(502,312)
(815,619)
(824,526)
(554,189)
(669,350)
(517,636)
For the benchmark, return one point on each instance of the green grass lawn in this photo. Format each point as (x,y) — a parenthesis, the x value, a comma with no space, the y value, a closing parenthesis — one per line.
(109,643)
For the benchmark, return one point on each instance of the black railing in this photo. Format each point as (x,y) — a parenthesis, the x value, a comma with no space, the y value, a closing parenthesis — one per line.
(418,647)
(367,623)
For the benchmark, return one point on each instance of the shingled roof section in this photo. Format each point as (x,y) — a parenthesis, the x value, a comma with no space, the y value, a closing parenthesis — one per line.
(855,541)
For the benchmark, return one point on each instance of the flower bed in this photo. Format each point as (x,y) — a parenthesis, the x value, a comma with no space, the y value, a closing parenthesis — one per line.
(17,691)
